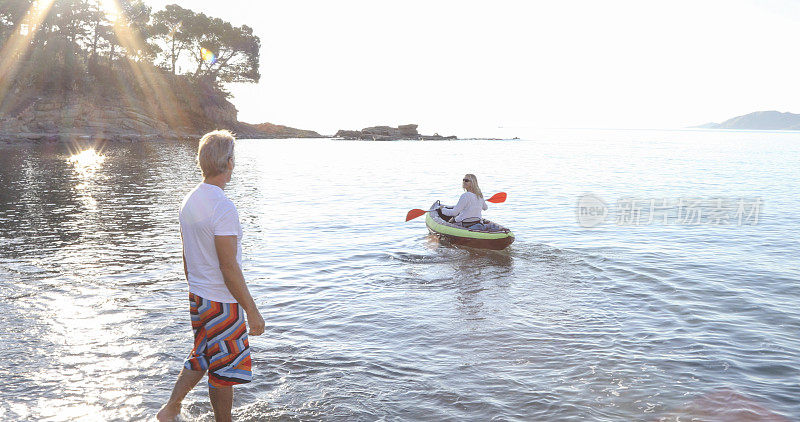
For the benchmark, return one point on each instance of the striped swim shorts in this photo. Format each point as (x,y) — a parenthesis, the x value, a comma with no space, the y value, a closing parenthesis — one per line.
(220,342)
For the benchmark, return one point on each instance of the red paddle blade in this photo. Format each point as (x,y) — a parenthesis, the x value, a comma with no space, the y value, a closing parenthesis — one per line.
(414,214)
(498,198)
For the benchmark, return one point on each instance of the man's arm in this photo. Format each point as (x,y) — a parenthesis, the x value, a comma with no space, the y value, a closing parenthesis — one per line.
(183,254)
(234,279)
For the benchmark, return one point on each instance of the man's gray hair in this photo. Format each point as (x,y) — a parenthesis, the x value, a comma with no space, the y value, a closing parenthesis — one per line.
(214,151)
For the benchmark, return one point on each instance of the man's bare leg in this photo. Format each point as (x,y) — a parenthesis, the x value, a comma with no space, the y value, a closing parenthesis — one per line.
(187,379)
(221,402)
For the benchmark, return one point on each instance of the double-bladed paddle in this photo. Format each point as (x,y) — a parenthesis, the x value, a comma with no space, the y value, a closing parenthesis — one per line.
(495,199)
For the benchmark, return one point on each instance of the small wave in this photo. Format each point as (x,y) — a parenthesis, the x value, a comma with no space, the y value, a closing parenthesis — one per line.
(415,258)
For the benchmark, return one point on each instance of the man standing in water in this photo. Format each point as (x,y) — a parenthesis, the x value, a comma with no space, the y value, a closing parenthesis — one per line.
(218,296)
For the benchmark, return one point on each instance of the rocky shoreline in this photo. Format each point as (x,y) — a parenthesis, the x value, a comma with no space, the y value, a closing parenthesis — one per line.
(85,120)
(387,133)
(48,119)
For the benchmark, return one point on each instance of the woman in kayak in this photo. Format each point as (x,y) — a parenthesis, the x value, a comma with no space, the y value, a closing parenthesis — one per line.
(470,204)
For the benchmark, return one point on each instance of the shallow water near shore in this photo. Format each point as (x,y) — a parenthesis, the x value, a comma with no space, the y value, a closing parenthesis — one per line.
(370,318)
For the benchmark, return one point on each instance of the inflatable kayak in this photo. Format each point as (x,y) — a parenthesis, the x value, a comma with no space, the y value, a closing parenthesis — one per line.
(487,235)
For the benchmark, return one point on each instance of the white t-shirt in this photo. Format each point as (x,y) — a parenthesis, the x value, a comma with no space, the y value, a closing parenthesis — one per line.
(206,212)
(468,206)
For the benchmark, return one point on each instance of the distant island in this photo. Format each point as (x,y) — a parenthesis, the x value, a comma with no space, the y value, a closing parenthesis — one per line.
(760,120)
(386,133)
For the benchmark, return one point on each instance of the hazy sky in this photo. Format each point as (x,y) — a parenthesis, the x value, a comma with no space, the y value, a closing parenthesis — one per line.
(459,66)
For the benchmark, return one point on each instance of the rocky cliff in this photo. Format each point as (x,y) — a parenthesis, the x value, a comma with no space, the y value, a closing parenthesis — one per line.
(176,108)
(269,130)
(64,119)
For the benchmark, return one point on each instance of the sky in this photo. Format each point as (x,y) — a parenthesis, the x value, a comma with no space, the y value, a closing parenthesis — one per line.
(463,67)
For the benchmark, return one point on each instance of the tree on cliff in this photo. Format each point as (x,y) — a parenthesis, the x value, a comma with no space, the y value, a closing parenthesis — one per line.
(215,49)
(111,48)
(167,34)
(133,24)
(69,20)
(235,53)
(12,13)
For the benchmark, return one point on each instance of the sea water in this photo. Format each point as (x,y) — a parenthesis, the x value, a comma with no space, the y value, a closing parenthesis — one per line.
(680,299)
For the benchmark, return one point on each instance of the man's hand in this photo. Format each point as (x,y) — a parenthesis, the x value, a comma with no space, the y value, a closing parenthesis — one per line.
(234,280)
(256,323)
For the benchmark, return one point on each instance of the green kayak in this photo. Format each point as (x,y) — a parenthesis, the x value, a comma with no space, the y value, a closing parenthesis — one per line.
(487,235)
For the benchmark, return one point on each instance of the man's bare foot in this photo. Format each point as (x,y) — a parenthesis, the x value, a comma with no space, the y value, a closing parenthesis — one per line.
(169,412)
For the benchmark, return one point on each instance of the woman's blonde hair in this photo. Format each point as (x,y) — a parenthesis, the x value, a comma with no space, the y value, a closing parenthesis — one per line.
(214,151)
(473,185)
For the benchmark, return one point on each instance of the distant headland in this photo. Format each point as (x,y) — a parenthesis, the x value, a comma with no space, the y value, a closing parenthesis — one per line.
(139,74)
(759,120)
(82,74)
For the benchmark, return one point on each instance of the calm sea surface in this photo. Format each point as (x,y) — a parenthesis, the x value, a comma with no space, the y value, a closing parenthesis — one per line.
(369,318)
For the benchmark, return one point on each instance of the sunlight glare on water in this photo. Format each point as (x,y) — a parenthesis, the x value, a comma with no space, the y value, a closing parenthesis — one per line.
(87,162)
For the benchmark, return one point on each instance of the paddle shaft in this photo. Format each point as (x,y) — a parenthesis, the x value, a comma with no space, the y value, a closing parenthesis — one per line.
(495,199)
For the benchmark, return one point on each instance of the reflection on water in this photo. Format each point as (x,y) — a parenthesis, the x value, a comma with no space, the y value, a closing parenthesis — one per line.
(74,226)
(86,164)
(371,318)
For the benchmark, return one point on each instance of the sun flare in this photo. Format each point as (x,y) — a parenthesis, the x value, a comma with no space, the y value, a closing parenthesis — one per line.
(19,41)
(87,162)
(111,9)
